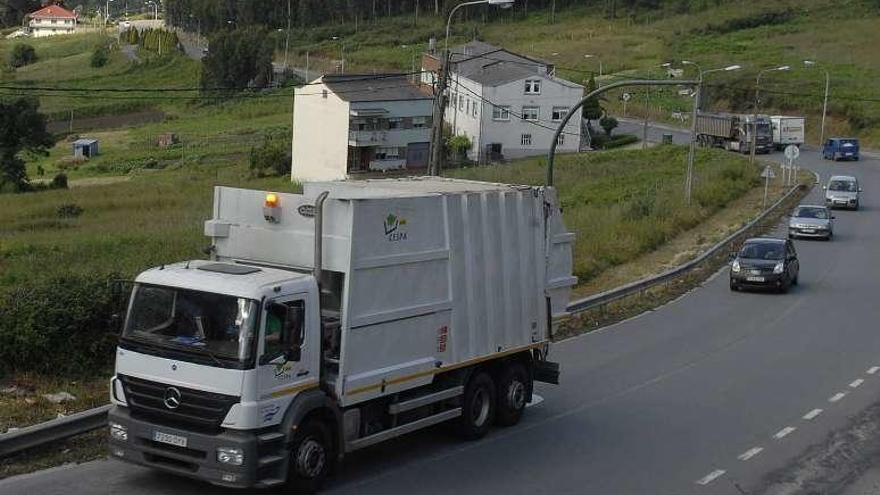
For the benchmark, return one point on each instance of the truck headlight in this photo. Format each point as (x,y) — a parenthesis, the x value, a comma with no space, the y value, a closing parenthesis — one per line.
(778,268)
(228,455)
(118,432)
(735,267)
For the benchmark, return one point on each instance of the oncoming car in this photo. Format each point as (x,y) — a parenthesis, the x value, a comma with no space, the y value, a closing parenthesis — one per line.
(765,262)
(842,191)
(811,221)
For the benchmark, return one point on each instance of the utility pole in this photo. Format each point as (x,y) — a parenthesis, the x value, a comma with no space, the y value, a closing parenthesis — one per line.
(645,126)
(287,37)
(439,109)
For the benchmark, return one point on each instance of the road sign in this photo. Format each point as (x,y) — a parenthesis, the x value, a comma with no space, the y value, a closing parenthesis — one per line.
(792,152)
(768,173)
(626,96)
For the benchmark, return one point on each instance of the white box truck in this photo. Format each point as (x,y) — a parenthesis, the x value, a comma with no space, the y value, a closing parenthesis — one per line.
(787,130)
(332,320)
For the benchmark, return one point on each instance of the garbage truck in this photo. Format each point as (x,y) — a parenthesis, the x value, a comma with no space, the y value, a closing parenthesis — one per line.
(734,132)
(330,321)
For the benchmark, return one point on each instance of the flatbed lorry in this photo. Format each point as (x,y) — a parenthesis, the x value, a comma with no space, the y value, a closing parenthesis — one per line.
(333,320)
(734,132)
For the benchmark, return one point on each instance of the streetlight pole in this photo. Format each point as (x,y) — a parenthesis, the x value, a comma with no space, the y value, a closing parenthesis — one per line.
(810,63)
(754,130)
(647,82)
(440,99)
(598,60)
(287,37)
(698,97)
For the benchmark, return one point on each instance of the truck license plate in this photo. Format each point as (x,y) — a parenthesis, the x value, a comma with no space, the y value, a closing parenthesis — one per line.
(176,440)
(754,279)
(808,231)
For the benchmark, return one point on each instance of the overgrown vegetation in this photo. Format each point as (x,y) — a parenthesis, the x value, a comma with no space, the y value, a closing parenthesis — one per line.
(22,54)
(238,59)
(22,128)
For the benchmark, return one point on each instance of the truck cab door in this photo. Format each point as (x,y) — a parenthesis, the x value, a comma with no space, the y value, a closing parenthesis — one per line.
(288,353)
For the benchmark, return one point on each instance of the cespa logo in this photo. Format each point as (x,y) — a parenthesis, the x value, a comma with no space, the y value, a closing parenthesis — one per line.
(395,228)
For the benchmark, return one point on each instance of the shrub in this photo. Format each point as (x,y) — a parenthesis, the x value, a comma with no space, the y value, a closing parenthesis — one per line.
(69,210)
(608,124)
(22,54)
(58,326)
(59,181)
(458,147)
(270,158)
(100,56)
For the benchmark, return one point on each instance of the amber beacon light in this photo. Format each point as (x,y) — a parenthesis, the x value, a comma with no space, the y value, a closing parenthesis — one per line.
(272,208)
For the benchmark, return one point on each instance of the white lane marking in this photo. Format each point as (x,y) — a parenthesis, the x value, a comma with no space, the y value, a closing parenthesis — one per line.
(536,399)
(750,453)
(873,370)
(705,480)
(836,397)
(784,432)
(812,414)
(856,383)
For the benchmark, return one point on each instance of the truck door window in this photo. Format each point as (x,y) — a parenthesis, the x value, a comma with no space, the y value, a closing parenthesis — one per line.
(281,333)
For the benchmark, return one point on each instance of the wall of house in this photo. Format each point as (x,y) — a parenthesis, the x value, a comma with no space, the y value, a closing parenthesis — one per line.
(484,129)
(384,139)
(320,135)
(40,28)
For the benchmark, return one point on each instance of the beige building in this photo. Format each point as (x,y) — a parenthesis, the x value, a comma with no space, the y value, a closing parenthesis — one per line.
(50,21)
(344,125)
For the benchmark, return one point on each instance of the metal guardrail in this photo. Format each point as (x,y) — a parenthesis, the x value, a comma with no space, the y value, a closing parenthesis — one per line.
(53,431)
(609,296)
(93,419)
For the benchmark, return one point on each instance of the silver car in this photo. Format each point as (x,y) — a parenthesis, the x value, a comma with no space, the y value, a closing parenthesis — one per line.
(842,191)
(811,221)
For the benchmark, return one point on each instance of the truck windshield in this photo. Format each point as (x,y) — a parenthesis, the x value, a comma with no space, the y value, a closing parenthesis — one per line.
(215,326)
(764,129)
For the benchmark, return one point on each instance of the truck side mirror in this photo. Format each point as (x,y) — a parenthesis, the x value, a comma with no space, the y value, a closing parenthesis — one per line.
(120,292)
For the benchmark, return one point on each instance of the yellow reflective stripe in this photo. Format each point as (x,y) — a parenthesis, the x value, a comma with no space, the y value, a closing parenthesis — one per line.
(295,389)
(463,364)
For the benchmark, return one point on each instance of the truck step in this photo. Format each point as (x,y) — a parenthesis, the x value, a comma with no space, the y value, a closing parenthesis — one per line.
(402,430)
(271,483)
(270,460)
(409,405)
(270,437)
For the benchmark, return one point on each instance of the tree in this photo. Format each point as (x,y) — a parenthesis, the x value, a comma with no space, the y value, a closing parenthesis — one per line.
(608,124)
(238,59)
(100,56)
(13,11)
(22,128)
(22,54)
(592,109)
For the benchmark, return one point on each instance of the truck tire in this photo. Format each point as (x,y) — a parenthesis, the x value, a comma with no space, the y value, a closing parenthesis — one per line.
(478,407)
(513,386)
(311,457)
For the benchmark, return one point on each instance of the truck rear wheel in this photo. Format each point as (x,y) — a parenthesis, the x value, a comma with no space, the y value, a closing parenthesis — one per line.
(311,457)
(513,385)
(478,407)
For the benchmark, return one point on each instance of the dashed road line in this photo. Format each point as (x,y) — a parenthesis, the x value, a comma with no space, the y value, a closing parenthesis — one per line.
(750,453)
(784,432)
(873,370)
(705,480)
(836,397)
(856,383)
(812,414)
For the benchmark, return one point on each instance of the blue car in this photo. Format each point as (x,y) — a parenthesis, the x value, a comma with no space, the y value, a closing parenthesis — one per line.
(841,149)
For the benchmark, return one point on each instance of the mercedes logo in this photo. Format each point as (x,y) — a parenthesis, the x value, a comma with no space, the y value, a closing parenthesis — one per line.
(172,398)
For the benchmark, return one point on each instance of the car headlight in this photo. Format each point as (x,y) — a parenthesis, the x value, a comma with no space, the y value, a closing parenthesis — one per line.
(118,432)
(778,268)
(735,267)
(232,456)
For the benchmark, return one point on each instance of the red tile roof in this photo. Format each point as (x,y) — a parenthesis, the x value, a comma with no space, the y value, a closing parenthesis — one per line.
(54,12)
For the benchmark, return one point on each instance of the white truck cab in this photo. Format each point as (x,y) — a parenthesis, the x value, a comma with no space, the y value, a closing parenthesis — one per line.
(334,320)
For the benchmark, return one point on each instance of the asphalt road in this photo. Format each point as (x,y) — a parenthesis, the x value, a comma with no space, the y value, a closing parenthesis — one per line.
(705,395)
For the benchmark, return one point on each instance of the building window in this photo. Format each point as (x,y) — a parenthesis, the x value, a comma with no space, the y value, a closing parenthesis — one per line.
(530,113)
(395,123)
(559,113)
(501,113)
(420,122)
(460,103)
(468,106)
(324,93)
(387,153)
(54,21)
(474,110)
(560,140)
(525,140)
(533,86)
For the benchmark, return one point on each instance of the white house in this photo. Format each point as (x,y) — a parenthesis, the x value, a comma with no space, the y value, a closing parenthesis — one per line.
(508,105)
(50,21)
(350,124)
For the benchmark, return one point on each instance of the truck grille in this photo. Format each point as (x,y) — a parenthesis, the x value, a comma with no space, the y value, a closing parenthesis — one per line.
(201,410)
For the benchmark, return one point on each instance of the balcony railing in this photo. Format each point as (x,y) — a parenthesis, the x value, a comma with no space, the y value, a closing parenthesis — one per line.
(390,137)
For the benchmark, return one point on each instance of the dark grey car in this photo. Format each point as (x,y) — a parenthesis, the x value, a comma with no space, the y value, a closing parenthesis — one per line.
(811,221)
(765,262)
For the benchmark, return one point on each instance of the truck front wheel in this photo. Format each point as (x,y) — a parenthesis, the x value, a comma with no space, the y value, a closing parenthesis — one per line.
(478,407)
(512,390)
(311,456)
